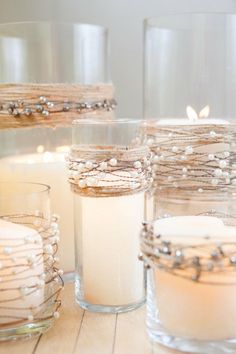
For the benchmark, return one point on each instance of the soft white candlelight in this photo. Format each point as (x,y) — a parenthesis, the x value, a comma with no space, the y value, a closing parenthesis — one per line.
(108,251)
(47,168)
(193,118)
(21,268)
(194,309)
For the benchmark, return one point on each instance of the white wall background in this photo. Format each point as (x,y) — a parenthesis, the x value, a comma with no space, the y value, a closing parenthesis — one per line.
(124,19)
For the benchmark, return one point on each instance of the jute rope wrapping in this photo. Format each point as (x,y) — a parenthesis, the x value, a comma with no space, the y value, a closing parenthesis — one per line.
(193,157)
(53,105)
(100,171)
(21,259)
(206,261)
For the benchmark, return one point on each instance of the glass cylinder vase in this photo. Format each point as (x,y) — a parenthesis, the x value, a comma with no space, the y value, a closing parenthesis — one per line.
(109,173)
(190,251)
(30,278)
(189,105)
(50,74)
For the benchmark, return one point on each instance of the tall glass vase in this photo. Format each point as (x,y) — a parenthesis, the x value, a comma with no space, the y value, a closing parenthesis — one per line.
(50,73)
(189,100)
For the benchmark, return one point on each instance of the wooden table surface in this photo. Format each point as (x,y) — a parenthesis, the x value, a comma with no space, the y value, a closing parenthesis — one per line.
(82,332)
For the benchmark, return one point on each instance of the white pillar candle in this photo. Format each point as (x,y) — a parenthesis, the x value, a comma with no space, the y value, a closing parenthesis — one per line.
(47,168)
(108,249)
(21,272)
(196,309)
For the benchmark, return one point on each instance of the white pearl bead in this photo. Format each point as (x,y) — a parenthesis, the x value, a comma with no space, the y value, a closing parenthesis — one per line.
(213,134)
(175,149)
(200,190)
(137,164)
(170,178)
(82,183)
(189,150)
(150,142)
(226,153)
(113,162)
(30,318)
(48,249)
(56,314)
(91,181)
(103,165)
(218,172)
(184,170)
(211,157)
(223,164)
(88,165)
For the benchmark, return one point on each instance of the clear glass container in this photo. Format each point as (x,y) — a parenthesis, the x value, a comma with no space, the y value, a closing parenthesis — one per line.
(30,278)
(109,173)
(190,251)
(189,105)
(49,53)
(189,60)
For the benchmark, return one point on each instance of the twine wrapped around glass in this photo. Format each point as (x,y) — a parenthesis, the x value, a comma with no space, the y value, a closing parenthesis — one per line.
(50,74)
(189,100)
(109,172)
(30,280)
(190,250)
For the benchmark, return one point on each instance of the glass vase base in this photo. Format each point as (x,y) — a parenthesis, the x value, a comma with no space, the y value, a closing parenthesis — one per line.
(109,309)
(25,332)
(160,336)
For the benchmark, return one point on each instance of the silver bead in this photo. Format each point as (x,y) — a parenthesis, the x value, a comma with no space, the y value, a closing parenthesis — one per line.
(45,113)
(27,111)
(42,99)
(50,104)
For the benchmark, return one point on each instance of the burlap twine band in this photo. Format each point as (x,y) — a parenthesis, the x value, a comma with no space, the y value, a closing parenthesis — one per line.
(53,105)
(103,171)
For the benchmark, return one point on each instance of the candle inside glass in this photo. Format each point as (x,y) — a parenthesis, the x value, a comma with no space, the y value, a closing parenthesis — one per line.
(202,310)
(21,272)
(47,168)
(111,273)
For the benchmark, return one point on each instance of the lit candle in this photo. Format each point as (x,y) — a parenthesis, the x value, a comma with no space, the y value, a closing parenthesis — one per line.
(47,168)
(193,118)
(204,309)
(21,272)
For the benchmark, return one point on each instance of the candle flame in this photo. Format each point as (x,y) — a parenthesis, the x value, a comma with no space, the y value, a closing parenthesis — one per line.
(193,116)
(204,113)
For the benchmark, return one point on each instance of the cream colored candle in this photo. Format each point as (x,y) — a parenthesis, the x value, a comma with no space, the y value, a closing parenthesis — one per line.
(21,272)
(108,249)
(47,168)
(204,309)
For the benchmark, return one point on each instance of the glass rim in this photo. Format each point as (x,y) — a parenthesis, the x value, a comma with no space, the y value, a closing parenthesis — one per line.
(99,28)
(148,20)
(42,188)
(103,121)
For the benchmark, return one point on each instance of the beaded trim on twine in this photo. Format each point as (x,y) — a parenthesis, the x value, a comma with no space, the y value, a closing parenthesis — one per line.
(210,262)
(18,268)
(107,171)
(52,105)
(193,157)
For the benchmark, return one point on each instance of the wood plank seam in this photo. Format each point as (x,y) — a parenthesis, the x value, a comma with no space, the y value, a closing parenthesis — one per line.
(114,336)
(79,330)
